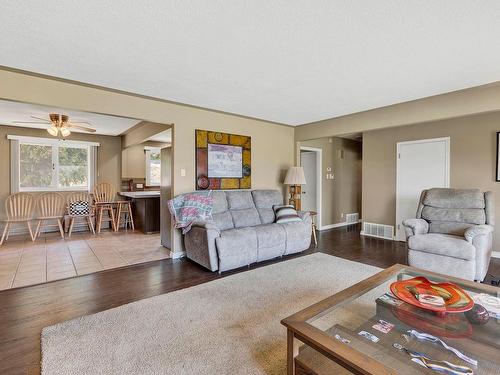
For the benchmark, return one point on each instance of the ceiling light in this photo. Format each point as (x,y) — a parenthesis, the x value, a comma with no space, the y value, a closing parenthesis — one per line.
(53,131)
(65,132)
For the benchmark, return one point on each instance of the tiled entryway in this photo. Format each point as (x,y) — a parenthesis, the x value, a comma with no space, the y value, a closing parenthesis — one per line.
(49,258)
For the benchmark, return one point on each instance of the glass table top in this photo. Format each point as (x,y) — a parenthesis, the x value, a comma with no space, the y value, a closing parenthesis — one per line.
(395,333)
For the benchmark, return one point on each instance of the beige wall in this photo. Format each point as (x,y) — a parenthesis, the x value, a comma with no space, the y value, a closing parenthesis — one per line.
(472,164)
(342,195)
(108,155)
(134,160)
(474,100)
(272,144)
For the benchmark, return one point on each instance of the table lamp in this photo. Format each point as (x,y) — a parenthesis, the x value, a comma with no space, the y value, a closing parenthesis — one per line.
(295,177)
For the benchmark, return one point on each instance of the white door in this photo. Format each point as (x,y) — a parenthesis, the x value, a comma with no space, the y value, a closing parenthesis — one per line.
(308,162)
(421,165)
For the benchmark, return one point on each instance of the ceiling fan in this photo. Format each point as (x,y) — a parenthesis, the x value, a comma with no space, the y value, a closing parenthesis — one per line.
(59,124)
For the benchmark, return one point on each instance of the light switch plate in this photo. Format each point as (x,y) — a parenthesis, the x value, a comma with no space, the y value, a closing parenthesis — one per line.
(139,186)
(183,172)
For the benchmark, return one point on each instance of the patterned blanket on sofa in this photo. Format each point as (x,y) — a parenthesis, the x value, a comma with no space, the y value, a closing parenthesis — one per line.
(188,208)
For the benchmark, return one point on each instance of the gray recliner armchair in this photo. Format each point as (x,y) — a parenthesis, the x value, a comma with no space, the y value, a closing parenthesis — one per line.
(452,233)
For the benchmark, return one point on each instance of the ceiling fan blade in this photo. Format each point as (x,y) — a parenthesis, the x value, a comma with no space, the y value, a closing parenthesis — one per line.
(71,125)
(40,118)
(81,122)
(31,122)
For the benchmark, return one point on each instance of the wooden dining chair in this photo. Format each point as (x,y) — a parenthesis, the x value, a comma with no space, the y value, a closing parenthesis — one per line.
(50,208)
(79,206)
(19,209)
(104,200)
(124,208)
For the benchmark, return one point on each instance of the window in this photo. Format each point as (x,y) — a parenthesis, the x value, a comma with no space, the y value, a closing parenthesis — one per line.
(153,166)
(41,164)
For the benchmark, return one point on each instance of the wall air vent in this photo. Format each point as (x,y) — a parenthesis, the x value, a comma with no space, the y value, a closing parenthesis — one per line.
(378,230)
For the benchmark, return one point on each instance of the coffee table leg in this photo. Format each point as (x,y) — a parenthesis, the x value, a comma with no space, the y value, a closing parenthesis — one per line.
(292,352)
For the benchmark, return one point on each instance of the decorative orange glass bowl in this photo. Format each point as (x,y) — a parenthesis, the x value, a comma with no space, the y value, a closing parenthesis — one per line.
(455,298)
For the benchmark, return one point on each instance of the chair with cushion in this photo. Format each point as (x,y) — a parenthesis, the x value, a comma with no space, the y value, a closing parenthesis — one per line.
(79,206)
(452,232)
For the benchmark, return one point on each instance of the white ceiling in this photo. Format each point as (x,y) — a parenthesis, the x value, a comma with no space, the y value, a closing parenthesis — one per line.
(108,125)
(292,62)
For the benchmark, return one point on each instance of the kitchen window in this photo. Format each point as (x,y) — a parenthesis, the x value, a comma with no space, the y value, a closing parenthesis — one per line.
(153,166)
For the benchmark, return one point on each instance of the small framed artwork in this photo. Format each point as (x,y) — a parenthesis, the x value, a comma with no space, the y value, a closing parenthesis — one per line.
(223,160)
(497,172)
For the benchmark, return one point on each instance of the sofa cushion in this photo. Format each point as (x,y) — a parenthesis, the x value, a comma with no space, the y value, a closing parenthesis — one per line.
(238,200)
(461,215)
(236,248)
(442,244)
(269,235)
(245,218)
(223,220)
(454,198)
(220,202)
(264,201)
(271,241)
(298,235)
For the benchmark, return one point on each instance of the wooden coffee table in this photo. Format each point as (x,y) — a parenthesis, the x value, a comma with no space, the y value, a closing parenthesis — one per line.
(324,338)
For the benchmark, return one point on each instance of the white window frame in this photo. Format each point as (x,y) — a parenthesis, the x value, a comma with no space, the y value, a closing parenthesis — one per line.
(148,151)
(55,144)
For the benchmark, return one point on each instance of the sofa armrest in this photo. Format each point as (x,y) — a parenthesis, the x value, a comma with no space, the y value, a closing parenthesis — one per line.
(206,225)
(416,226)
(304,215)
(477,230)
(200,246)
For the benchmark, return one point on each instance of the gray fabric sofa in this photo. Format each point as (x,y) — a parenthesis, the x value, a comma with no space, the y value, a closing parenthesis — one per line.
(243,231)
(453,232)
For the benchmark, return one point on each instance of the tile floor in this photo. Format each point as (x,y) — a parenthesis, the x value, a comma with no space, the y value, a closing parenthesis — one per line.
(49,258)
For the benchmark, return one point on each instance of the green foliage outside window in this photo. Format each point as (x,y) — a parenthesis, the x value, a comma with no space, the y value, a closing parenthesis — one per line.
(37,167)
(73,166)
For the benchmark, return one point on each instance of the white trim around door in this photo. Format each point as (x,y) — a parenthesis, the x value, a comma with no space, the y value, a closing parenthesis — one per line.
(319,179)
(446,141)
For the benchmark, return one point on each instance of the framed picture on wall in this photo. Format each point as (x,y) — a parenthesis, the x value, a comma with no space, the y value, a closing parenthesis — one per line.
(497,172)
(223,160)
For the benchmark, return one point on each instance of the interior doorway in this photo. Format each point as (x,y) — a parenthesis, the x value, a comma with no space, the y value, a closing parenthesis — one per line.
(310,161)
(421,165)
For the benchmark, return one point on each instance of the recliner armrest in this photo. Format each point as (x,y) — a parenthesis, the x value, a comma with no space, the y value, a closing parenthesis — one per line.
(199,243)
(477,230)
(416,226)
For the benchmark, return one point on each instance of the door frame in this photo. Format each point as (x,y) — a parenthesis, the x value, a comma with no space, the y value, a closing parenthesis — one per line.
(319,179)
(447,172)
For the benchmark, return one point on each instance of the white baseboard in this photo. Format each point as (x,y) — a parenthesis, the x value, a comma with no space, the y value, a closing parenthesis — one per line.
(495,254)
(337,225)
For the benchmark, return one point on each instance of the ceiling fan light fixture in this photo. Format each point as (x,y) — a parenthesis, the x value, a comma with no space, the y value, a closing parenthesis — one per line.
(65,132)
(53,131)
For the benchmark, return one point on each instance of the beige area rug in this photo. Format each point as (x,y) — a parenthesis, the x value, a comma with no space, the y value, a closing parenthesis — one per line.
(227,326)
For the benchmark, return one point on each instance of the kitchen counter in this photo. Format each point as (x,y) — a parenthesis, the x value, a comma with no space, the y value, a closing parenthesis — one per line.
(145,209)
(140,194)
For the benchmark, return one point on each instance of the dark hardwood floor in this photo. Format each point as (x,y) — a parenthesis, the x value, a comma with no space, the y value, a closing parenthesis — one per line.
(25,311)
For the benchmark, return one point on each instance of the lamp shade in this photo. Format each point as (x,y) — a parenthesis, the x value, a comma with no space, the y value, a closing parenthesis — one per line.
(295,176)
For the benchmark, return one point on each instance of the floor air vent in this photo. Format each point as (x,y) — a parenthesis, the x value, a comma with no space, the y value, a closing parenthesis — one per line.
(352,218)
(378,230)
